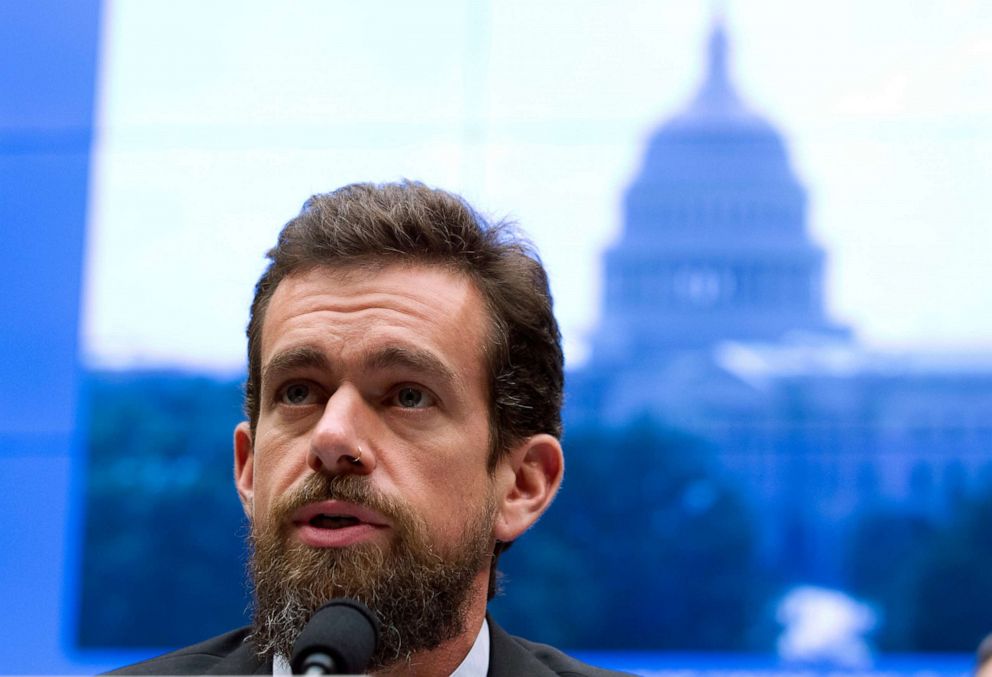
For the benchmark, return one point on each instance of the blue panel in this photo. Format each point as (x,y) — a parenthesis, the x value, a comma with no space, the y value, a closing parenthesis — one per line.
(47,68)
(33,546)
(47,78)
(48,63)
(42,212)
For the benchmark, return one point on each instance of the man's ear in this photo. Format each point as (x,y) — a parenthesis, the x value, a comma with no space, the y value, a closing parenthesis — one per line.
(244,466)
(528,479)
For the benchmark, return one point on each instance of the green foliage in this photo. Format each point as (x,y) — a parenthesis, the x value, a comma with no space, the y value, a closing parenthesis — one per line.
(646,548)
(931,581)
(648,545)
(163,556)
(953,587)
(644,540)
(884,553)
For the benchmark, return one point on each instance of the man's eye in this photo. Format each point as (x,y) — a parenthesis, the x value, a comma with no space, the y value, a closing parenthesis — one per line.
(297,393)
(409,397)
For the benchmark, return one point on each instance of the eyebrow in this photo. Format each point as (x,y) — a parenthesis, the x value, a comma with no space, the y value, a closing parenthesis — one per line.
(308,357)
(294,358)
(411,358)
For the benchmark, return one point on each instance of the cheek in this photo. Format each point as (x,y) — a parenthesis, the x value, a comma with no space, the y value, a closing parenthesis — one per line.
(452,472)
(456,499)
(276,468)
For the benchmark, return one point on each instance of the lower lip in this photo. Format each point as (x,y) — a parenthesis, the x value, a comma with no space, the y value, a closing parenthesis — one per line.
(335,538)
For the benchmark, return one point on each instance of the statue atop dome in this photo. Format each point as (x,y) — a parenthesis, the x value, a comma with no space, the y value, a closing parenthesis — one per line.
(714,245)
(716,94)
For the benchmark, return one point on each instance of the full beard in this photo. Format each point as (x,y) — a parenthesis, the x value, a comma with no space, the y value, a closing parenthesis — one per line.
(419,592)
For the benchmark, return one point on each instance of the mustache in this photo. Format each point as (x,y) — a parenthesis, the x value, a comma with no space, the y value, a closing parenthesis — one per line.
(354,489)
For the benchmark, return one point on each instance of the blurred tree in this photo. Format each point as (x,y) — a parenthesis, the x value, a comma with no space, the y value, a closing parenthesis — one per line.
(646,547)
(884,553)
(163,555)
(952,590)
(932,582)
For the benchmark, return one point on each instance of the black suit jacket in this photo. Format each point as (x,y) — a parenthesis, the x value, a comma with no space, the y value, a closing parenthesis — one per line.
(229,654)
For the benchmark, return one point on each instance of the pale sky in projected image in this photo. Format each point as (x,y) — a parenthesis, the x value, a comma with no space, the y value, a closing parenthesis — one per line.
(216,121)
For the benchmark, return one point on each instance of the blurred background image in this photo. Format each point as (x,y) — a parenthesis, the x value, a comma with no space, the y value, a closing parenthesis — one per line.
(767,228)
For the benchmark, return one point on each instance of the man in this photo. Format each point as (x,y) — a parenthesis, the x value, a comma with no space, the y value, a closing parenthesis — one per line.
(403,400)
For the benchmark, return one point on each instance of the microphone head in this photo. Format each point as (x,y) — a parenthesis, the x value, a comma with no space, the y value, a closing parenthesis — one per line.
(343,629)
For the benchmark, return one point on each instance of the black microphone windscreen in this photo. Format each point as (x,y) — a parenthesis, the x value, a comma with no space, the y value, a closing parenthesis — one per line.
(343,629)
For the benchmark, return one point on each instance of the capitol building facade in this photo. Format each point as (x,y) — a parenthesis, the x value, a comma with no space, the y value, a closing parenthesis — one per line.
(713,324)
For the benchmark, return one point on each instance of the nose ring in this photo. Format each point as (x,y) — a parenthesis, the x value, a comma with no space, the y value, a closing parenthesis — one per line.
(357,460)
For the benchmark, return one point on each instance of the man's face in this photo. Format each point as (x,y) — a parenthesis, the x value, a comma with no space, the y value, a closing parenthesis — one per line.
(387,366)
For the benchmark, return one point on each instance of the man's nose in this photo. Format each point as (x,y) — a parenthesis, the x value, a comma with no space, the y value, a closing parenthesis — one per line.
(337,445)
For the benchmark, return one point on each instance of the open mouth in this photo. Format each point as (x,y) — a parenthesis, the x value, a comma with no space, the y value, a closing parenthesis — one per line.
(333,521)
(336,524)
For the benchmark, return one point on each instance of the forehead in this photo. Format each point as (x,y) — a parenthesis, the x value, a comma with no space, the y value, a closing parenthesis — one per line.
(434,306)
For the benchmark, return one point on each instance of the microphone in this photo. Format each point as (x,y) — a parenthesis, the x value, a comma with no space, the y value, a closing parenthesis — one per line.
(339,639)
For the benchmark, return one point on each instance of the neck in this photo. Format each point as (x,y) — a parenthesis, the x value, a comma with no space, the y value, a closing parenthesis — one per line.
(442,661)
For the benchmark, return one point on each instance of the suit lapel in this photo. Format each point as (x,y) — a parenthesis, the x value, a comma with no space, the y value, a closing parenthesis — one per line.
(241,661)
(509,659)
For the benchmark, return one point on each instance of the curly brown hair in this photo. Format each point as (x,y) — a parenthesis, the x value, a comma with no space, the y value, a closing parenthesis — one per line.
(371,225)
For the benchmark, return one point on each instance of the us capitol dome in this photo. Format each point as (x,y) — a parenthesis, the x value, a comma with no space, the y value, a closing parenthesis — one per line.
(714,245)
(713,325)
